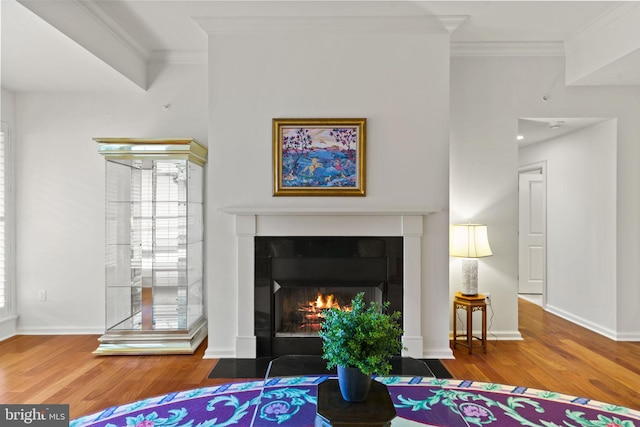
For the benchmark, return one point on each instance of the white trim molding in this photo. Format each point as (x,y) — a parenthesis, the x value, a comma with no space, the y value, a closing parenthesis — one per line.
(472,49)
(55,330)
(609,333)
(607,50)
(425,24)
(194,57)
(8,326)
(251,222)
(324,211)
(89,26)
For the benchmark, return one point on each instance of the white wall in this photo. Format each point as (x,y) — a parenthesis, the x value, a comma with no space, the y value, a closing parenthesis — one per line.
(483,180)
(581,224)
(60,175)
(60,188)
(398,81)
(488,96)
(8,319)
(7,109)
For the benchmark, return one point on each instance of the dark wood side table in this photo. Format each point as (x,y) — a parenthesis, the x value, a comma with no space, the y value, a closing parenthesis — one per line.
(333,411)
(470,303)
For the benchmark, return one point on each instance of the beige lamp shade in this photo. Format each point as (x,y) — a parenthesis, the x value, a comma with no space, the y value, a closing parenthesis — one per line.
(469,241)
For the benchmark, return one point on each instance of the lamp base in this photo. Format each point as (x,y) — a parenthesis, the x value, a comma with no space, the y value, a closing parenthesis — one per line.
(469,276)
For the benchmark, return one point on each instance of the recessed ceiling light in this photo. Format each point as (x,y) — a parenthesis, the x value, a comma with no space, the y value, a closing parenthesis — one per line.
(520,137)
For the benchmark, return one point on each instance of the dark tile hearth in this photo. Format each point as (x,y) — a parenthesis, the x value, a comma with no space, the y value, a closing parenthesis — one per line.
(240,368)
(314,365)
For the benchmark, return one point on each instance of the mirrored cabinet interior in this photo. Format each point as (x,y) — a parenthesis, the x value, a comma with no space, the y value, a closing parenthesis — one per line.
(154,246)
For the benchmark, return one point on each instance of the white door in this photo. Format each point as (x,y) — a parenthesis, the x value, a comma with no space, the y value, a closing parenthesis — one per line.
(532,233)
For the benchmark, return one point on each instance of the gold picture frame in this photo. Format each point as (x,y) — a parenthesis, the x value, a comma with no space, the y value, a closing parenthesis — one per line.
(319,157)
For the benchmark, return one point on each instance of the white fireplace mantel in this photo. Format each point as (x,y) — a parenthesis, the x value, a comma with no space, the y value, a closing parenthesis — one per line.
(318,221)
(320,211)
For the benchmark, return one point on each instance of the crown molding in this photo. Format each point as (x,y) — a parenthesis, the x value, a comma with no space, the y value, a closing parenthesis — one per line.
(179,57)
(458,49)
(88,25)
(452,22)
(462,49)
(99,15)
(327,24)
(606,50)
(603,23)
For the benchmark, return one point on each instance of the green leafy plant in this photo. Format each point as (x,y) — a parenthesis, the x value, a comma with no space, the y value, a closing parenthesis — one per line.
(365,337)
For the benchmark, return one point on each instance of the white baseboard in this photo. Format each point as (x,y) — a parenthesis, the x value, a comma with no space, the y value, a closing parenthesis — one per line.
(246,347)
(90,330)
(413,346)
(504,335)
(211,353)
(582,322)
(8,327)
(444,353)
(628,336)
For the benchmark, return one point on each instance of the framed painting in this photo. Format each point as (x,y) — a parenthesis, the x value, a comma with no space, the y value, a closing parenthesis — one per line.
(319,157)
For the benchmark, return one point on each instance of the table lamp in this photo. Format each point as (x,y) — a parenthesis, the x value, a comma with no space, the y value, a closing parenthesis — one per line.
(469,241)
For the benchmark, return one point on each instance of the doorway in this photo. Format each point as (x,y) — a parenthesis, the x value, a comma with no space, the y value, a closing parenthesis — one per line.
(532,233)
(570,147)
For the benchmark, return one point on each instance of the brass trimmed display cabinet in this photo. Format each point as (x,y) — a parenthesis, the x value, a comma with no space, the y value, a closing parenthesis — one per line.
(154,237)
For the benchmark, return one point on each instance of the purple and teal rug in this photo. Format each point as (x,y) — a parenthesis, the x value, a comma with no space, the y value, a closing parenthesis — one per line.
(419,401)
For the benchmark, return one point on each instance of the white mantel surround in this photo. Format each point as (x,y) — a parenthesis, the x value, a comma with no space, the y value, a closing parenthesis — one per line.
(408,223)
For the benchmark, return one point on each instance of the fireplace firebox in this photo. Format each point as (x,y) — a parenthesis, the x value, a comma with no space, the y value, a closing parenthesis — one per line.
(298,278)
(298,311)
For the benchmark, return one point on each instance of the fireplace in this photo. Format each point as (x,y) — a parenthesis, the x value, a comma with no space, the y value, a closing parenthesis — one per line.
(298,311)
(297,278)
(407,225)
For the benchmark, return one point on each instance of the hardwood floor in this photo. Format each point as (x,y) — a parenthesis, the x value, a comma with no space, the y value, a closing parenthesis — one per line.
(557,355)
(554,355)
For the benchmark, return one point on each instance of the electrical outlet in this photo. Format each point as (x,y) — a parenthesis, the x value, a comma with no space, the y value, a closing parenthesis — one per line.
(487,296)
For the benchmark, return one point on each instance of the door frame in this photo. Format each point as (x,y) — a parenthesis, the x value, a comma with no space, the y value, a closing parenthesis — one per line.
(542,167)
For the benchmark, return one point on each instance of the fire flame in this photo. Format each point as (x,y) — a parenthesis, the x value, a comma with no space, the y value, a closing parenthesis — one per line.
(323,302)
(313,311)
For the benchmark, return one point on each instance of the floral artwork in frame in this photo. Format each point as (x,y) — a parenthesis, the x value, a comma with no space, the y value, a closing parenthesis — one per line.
(319,157)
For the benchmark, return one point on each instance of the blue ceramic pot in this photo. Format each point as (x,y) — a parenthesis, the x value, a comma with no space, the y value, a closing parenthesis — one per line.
(354,385)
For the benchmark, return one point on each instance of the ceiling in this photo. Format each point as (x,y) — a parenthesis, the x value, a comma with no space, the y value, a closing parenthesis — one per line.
(37,56)
(93,45)
(540,129)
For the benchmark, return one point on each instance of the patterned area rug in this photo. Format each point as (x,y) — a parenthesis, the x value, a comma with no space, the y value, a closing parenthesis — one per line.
(419,401)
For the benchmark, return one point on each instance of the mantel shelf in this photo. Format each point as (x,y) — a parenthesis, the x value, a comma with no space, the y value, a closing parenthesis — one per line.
(359,211)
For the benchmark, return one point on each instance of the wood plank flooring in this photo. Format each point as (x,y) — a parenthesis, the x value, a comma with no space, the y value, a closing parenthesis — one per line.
(554,355)
(557,355)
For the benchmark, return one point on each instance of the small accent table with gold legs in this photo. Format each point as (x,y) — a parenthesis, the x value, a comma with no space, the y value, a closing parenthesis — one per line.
(470,303)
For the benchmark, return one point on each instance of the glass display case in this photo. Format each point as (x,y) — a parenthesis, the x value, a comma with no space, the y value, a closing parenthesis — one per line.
(154,246)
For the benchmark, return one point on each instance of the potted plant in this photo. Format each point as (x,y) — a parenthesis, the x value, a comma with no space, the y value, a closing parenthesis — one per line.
(360,342)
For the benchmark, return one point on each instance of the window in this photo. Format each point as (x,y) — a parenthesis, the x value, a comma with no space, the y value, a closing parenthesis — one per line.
(4,284)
